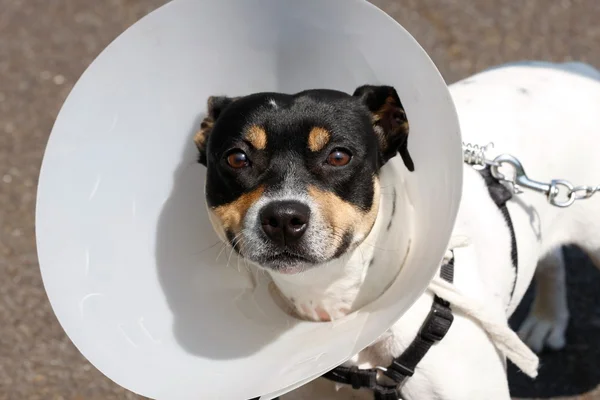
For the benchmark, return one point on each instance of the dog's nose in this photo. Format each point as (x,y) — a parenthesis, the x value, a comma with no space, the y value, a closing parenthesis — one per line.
(285,222)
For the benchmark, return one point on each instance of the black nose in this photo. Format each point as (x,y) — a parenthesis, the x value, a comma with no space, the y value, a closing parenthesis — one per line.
(285,222)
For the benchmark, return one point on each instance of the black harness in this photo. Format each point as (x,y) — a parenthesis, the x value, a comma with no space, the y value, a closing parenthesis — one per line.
(500,195)
(433,329)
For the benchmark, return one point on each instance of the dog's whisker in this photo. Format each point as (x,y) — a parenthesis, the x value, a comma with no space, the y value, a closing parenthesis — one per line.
(229,258)
(223,247)
(207,248)
(226,244)
(237,238)
(236,241)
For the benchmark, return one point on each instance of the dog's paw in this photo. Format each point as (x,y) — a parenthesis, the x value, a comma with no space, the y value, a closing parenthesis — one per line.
(539,332)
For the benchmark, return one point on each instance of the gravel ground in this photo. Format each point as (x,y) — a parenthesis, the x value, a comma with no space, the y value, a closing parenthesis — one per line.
(45,46)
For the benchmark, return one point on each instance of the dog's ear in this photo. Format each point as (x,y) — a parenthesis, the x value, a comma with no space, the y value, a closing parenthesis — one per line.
(389,121)
(215,105)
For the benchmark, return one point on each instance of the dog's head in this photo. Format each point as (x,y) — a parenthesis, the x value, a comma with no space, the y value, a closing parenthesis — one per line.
(292,180)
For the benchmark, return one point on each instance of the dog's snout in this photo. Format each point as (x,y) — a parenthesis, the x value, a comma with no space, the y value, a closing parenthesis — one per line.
(284,222)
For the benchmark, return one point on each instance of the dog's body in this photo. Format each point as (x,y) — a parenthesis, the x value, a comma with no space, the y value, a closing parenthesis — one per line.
(548,119)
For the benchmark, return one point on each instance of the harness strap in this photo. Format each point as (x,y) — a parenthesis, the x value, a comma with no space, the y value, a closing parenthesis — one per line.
(500,196)
(361,379)
(433,329)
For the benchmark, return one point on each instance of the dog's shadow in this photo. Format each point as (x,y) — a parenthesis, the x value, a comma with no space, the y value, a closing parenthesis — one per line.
(575,369)
(206,287)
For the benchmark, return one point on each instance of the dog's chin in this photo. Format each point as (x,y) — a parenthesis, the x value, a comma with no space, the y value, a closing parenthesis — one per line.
(285,263)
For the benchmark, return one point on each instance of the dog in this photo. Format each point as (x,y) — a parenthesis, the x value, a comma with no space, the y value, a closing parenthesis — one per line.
(294,187)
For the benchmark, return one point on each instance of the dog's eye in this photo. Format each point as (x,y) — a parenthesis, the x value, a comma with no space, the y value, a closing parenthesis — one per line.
(338,158)
(237,159)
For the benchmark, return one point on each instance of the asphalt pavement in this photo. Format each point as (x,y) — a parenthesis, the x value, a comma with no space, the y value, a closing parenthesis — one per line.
(45,45)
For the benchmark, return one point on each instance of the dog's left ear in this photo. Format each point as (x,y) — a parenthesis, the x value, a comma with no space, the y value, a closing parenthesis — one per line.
(215,105)
(389,121)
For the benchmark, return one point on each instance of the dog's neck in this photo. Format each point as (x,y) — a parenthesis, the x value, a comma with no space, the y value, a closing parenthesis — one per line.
(333,290)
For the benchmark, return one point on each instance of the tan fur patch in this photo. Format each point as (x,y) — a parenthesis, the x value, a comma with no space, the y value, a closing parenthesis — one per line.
(208,123)
(232,215)
(389,105)
(378,118)
(257,137)
(318,138)
(344,217)
(383,144)
(201,136)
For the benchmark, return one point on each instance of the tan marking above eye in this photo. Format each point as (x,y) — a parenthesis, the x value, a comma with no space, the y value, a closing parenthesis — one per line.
(318,139)
(257,137)
(344,217)
(231,215)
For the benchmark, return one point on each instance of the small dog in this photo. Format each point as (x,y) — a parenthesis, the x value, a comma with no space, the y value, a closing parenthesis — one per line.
(293,185)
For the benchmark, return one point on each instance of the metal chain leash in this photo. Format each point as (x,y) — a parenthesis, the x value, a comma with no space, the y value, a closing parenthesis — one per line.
(559,192)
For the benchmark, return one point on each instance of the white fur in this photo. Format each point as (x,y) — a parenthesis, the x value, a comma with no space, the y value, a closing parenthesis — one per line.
(348,283)
(548,118)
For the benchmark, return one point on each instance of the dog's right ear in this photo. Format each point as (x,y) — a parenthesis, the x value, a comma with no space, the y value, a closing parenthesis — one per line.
(215,106)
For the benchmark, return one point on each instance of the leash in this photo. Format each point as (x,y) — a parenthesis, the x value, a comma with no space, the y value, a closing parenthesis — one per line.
(433,329)
(559,192)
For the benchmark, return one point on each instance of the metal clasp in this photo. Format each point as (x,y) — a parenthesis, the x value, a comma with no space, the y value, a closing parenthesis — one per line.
(550,190)
(555,191)
(521,178)
(558,192)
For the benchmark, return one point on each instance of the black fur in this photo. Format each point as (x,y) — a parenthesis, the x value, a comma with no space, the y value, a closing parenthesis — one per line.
(345,245)
(348,119)
(394,198)
(384,102)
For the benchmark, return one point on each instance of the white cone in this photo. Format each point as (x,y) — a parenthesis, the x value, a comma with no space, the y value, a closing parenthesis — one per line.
(127,253)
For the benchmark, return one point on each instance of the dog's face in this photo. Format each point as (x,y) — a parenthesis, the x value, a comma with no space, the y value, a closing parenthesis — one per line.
(292,180)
